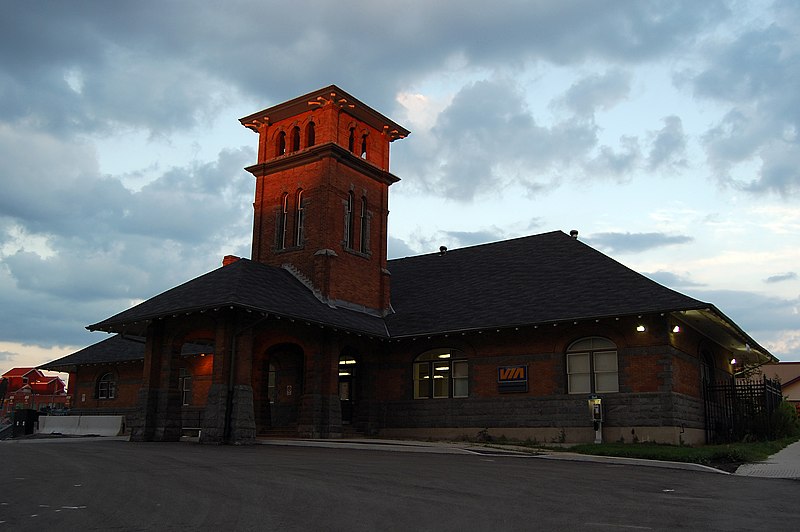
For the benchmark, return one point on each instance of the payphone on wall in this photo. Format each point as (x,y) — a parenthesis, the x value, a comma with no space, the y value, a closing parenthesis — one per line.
(596,414)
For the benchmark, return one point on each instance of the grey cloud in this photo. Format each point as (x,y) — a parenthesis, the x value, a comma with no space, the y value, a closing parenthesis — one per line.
(471,238)
(635,242)
(616,163)
(668,148)
(397,248)
(756,75)
(671,279)
(597,92)
(788,276)
(6,355)
(762,316)
(84,67)
(506,146)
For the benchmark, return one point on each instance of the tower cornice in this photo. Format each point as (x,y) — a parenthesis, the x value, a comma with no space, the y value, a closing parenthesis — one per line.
(320,152)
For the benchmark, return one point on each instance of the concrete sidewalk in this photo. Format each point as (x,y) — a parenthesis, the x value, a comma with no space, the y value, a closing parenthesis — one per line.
(784,464)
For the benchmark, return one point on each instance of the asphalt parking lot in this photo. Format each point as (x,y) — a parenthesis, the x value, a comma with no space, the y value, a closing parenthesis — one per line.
(116,485)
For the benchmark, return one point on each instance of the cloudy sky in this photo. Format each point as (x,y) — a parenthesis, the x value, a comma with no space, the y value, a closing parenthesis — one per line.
(666,132)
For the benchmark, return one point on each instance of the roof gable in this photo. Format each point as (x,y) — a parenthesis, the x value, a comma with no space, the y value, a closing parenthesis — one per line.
(537,279)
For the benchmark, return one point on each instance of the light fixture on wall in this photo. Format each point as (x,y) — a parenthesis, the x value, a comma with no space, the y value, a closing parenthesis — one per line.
(676,329)
(640,328)
(733,362)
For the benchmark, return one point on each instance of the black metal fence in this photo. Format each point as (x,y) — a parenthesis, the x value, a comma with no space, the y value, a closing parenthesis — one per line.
(740,409)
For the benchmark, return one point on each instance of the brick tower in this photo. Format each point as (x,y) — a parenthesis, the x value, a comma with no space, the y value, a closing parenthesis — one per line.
(321,200)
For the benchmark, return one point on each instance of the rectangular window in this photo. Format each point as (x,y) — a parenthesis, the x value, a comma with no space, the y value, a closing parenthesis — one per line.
(422,380)
(578,373)
(460,379)
(186,392)
(271,385)
(441,379)
(605,372)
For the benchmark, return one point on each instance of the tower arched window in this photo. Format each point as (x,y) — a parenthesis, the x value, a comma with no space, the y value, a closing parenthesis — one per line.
(310,134)
(295,138)
(363,244)
(592,366)
(280,147)
(351,140)
(441,373)
(107,386)
(364,146)
(299,218)
(348,221)
(280,229)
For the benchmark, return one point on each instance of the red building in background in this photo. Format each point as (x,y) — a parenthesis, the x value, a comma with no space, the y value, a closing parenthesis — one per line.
(30,388)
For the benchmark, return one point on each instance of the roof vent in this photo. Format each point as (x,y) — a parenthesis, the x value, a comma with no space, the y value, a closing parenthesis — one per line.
(574,234)
(442,250)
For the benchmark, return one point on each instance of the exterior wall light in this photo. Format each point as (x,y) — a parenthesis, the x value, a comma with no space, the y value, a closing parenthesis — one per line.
(733,362)
(640,328)
(676,329)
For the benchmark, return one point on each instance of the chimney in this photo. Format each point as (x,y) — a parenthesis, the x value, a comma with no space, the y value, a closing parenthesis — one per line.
(229,259)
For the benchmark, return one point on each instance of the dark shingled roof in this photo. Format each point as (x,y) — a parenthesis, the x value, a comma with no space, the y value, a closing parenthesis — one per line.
(531,280)
(117,348)
(537,279)
(111,350)
(249,285)
(540,279)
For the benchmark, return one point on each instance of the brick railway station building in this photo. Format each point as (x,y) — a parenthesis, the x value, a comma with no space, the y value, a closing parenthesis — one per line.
(319,335)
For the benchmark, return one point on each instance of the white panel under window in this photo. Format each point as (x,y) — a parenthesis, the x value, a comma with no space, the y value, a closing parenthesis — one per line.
(606,376)
(421,380)
(605,361)
(578,363)
(441,379)
(460,379)
(606,382)
(580,383)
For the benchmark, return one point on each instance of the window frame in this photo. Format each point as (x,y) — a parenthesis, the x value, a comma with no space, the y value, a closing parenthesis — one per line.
(107,386)
(363,245)
(282,222)
(443,363)
(592,348)
(185,386)
(299,218)
(349,220)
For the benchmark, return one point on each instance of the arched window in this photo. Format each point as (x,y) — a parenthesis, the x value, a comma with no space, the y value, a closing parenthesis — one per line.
(280,229)
(280,147)
(441,373)
(351,141)
(348,221)
(185,386)
(310,134)
(299,218)
(592,366)
(364,235)
(295,138)
(107,387)
(364,146)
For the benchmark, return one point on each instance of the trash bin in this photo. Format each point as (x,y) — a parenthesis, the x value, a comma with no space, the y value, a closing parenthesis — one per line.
(24,420)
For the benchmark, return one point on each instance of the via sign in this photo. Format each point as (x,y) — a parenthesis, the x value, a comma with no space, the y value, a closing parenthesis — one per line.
(512,379)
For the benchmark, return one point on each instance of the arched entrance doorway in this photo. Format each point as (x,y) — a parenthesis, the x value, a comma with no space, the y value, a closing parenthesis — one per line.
(348,390)
(277,399)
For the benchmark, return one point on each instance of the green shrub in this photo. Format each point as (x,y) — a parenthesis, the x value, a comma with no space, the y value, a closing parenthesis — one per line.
(785,421)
